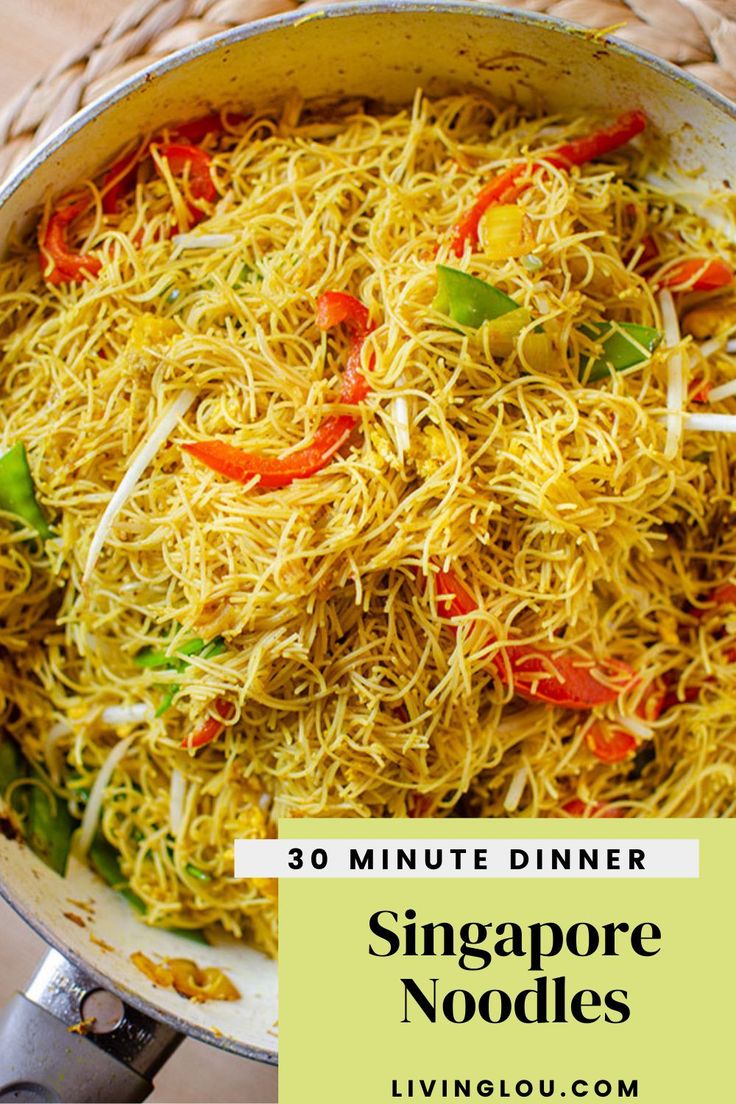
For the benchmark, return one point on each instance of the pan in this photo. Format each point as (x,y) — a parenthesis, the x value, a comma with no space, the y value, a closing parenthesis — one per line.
(382,51)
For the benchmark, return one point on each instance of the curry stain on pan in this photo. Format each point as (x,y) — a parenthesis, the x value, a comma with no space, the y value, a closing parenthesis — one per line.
(75,919)
(100,942)
(189,980)
(86,906)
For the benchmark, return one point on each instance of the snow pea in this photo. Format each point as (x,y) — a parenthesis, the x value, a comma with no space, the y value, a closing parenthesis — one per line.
(17,493)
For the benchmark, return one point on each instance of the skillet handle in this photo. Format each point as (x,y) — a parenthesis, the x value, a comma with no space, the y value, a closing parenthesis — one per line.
(43,1057)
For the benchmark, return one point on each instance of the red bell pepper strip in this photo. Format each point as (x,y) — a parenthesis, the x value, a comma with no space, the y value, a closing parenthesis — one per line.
(600,142)
(610,744)
(557,680)
(692,693)
(651,705)
(578,808)
(198,129)
(120,177)
(59,263)
(572,685)
(504,188)
(725,594)
(697,275)
(699,391)
(333,308)
(649,252)
(201,185)
(273,471)
(419,805)
(212,727)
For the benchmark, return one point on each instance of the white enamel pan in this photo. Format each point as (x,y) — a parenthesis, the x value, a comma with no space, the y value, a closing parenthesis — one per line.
(382,51)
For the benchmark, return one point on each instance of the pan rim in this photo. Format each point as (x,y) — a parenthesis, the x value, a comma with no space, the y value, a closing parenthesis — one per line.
(184,1027)
(57,140)
(349,10)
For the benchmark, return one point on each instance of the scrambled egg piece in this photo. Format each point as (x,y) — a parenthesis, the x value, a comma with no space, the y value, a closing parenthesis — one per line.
(667,623)
(709,319)
(150,330)
(431,451)
(384,448)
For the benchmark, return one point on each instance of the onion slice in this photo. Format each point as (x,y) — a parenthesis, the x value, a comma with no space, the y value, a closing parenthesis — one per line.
(697,197)
(202,241)
(515,790)
(140,462)
(718,423)
(94,805)
(723,391)
(400,419)
(675,374)
(634,726)
(177,797)
(127,714)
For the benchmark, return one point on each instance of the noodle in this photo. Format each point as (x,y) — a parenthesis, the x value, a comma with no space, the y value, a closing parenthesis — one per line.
(564,507)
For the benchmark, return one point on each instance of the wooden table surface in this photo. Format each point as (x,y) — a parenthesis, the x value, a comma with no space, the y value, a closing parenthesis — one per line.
(38,32)
(35,34)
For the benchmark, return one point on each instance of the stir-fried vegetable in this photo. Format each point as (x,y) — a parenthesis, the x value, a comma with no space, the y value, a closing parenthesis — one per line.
(194,872)
(212,727)
(500,334)
(93,808)
(506,231)
(468,300)
(202,241)
(17,493)
(624,345)
(198,164)
(152,659)
(50,828)
(143,457)
(609,743)
(709,319)
(120,177)
(271,471)
(12,763)
(697,275)
(48,825)
(533,673)
(60,264)
(333,308)
(336,308)
(196,130)
(507,186)
(473,302)
(105,860)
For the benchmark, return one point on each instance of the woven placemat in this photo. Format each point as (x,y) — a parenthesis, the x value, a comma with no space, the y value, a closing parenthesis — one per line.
(697,34)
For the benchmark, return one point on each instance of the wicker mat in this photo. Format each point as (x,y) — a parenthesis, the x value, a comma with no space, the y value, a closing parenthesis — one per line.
(697,34)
